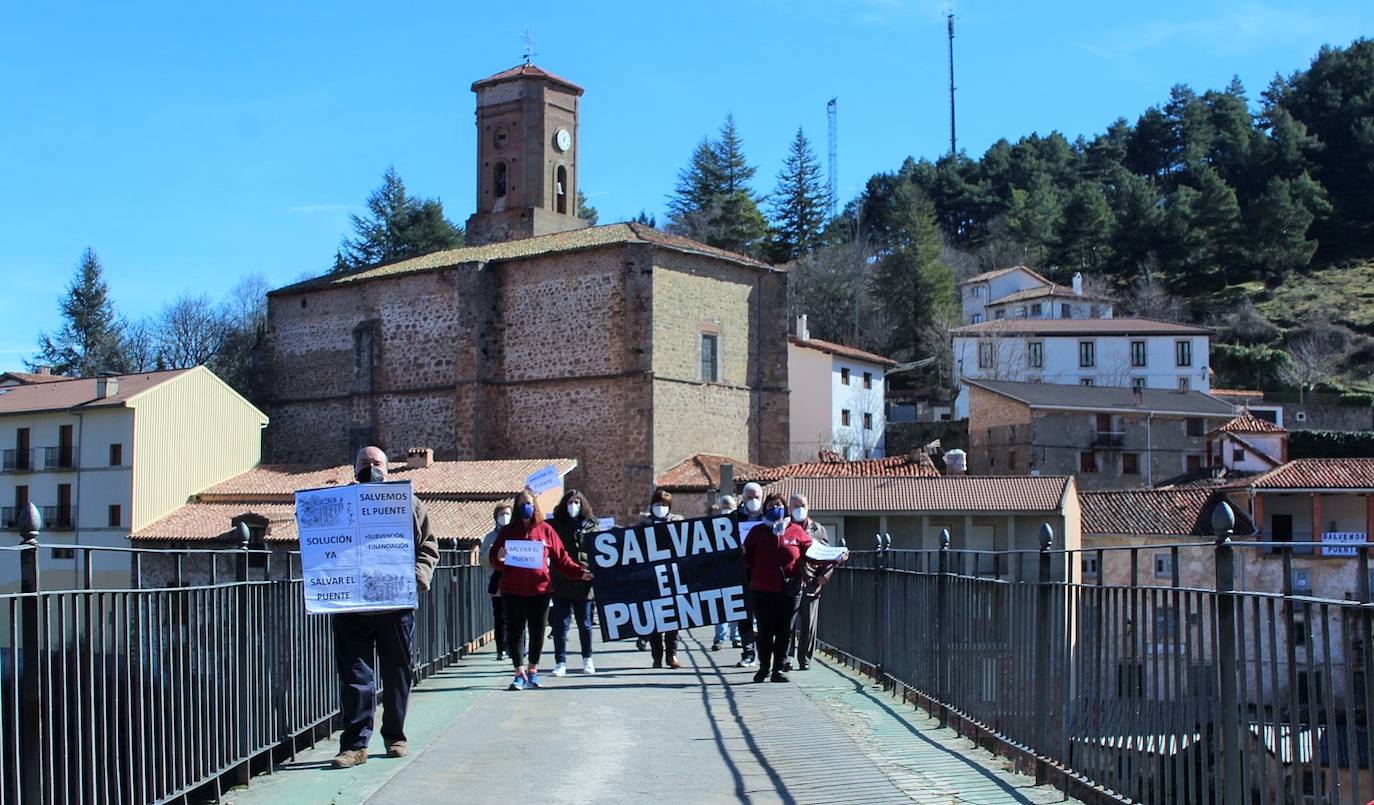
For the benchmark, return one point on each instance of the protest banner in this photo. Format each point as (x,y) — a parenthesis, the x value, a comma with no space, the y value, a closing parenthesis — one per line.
(357,547)
(1342,543)
(544,479)
(525,553)
(674,575)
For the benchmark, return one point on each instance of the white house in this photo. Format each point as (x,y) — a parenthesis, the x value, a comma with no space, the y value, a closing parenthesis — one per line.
(101,457)
(1020,293)
(837,398)
(1089,352)
(1248,444)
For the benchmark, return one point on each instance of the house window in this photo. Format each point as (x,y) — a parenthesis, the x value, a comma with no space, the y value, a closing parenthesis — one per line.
(1238,455)
(977,318)
(1011,460)
(1137,382)
(1087,354)
(1193,462)
(116,455)
(560,189)
(1087,462)
(1164,565)
(710,357)
(1035,352)
(1065,312)
(1137,353)
(1183,353)
(64,553)
(1104,423)
(1090,566)
(1037,310)
(1184,384)
(844,417)
(868,380)
(1086,381)
(1195,426)
(1021,311)
(985,356)
(977,291)
(498,180)
(868,422)
(115,520)
(1130,463)
(844,376)
(1001,314)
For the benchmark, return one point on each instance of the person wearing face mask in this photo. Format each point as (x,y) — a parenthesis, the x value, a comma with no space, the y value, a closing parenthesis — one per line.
(662,644)
(390,634)
(802,640)
(525,591)
(575,523)
(750,509)
(502,517)
(774,555)
(725,507)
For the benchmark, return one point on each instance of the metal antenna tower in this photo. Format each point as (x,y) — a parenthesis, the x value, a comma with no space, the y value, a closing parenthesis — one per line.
(949,20)
(834,155)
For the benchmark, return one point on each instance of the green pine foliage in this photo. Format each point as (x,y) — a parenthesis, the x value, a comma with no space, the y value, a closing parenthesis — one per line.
(397,226)
(89,340)
(712,201)
(801,203)
(912,283)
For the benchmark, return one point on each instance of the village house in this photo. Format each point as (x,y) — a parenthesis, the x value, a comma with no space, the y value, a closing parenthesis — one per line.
(1020,293)
(103,456)
(838,398)
(624,347)
(1108,437)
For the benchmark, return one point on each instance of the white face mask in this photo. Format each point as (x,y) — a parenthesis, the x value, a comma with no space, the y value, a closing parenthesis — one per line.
(752,505)
(574,509)
(503,519)
(799,514)
(659,511)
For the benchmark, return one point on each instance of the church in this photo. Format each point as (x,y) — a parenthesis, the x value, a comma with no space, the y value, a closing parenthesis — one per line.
(624,347)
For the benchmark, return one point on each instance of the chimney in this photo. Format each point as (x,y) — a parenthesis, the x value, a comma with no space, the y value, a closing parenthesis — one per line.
(417,458)
(106,385)
(803,332)
(956,462)
(1078,283)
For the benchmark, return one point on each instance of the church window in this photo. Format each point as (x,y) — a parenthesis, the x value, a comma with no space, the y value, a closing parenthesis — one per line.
(499,180)
(710,357)
(499,137)
(560,189)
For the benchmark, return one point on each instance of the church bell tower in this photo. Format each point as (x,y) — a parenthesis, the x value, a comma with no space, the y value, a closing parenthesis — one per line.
(527,141)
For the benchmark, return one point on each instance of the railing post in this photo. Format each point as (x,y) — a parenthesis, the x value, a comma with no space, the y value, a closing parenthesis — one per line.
(941,616)
(244,627)
(879,621)
(31,666)
(1044,604)
(1229,741)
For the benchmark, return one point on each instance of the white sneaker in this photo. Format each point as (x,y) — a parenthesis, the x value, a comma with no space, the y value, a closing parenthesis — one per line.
(588,666)
(560,669)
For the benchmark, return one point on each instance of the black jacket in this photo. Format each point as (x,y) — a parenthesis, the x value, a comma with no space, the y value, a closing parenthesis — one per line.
(576,536)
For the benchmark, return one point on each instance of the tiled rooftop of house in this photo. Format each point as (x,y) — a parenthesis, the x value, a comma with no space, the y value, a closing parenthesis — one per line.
(1177,512)
(841,350)
(68,393)
(831,465)
(1050,327)
(1319,473)
(1249,423)
(701,472)
(952,493)
(1107,398)
(1041,292)
(992,275)
(29,378)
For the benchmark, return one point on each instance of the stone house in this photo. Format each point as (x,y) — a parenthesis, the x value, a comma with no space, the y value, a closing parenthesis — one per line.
(624,347)
(1107,437)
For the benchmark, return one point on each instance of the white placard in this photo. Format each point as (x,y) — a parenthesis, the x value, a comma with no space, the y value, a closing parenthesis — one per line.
(825,553)
(525,553)
(1342,543)
(746,526)
(605,523)
(543,480)
(357,547)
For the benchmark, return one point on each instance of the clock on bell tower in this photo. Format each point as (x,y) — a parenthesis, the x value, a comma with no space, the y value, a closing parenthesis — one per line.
(526,156)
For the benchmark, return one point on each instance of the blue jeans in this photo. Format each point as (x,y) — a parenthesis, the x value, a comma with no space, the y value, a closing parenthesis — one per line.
(724,630)
(562,615)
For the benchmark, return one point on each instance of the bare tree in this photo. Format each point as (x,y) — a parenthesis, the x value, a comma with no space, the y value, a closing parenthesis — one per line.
(138,347)
(190,331)
(1148,299)
(1314,354)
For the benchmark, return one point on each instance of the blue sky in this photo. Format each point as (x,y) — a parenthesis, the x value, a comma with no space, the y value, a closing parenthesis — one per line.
(190,143)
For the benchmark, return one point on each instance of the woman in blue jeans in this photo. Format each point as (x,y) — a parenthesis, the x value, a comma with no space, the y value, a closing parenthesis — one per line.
(575,523)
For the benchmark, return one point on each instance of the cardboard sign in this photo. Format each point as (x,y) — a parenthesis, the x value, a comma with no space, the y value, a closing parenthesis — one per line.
(525,553)
(357,547)
(825,553)
(543,480)
(1342,543)
(674,575)
(605,523)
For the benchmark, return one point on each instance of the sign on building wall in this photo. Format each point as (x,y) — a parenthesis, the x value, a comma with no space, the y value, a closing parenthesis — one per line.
(1341,543)
(674,575)
(357,547)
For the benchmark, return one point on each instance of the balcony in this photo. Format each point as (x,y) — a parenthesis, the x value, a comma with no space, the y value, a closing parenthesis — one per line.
(16,460)
(9,518)
(1111,440)
(59,458)
(59,518)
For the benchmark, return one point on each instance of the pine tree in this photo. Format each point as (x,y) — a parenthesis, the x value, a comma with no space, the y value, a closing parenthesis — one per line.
(397,226)
(698,184)
(1138,216)
(1034,217)
(585,210)
(1218,218)
(712,202)
(735,170)
(89,341)
(800,203)
(1277,224)
(914,286)
(1084,241)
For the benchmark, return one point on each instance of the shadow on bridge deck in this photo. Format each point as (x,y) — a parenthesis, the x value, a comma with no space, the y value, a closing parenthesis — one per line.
(633,734)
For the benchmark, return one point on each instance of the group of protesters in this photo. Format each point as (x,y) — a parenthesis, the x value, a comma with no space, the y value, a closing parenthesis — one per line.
(782,585)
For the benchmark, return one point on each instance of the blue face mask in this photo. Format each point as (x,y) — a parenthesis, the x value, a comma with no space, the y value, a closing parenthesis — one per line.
(526,511)
(773,514)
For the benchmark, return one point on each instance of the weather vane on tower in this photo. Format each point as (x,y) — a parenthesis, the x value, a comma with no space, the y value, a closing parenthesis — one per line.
(529,46)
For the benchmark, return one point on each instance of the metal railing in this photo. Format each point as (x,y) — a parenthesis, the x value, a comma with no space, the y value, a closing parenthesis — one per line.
(197,675)
(1160,680)
(62,457)
(15,460)
(59,518)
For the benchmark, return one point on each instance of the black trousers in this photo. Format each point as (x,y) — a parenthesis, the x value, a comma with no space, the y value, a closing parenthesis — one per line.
(747,638)
(525,612)
(356,635)
(661,643)
(498,614)
(774,612)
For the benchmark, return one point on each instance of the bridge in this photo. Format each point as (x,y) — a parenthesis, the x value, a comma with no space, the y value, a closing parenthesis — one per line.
(948,676)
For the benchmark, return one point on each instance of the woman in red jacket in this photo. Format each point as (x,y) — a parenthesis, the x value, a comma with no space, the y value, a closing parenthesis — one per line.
(525,591)
(774,554)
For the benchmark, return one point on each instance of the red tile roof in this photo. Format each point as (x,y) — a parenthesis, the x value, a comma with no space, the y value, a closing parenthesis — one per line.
(841,350)
(990,275)
(28,378)
(832,466)
(68,393)
(1050,327)
(946,493)
(701,472)
(1248,423)
(211,522)
(1319,473)
(1177,512)
(1047,290)
(525,70)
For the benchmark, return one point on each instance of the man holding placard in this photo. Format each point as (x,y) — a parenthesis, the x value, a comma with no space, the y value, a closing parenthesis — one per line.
(359,547)
(815,574)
